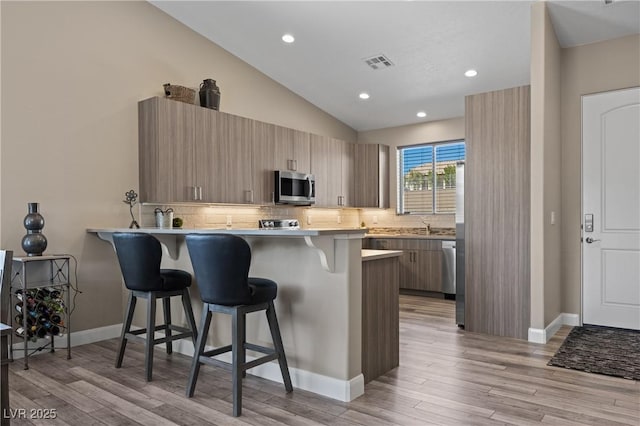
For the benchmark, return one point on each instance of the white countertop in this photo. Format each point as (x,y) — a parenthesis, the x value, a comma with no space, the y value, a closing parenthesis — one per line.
(379,254)
(345,233)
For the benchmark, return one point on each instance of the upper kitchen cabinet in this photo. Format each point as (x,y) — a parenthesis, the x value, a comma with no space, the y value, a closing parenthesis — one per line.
(167,150)
(276,148)
(207,155)
(264,161)
(371,175)
(193,154)
(331,165)
(233,168)
(292,150)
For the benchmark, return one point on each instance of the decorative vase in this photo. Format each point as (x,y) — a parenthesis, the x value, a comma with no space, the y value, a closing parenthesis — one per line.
(34,243)
(209,94)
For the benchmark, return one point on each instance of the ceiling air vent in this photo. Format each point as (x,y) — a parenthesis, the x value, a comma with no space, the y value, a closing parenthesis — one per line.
(378,62)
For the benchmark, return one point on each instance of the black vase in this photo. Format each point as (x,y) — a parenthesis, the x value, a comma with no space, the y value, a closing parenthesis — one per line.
(209,94)
(34,243)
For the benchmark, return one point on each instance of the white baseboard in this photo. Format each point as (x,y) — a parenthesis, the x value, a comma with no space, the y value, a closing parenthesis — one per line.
(537,335)
(342,390)
(77,338)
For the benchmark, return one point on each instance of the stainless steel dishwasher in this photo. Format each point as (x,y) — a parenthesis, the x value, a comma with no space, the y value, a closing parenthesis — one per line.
(449,269)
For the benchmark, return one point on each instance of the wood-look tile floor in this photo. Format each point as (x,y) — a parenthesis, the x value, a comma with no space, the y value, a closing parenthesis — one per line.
(446,376)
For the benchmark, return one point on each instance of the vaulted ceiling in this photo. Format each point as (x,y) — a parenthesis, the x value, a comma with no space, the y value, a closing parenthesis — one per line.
(430,45)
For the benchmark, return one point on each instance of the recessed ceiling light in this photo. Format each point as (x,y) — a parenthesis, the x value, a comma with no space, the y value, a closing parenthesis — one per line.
(470,73)
(421,114)
(288,38)
(364,95)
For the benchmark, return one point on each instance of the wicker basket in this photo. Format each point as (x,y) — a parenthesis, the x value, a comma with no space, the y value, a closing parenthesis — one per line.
(180,93)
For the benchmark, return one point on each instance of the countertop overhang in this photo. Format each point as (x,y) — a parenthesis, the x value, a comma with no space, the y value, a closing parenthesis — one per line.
(337,232)
(368,254)
(322,240)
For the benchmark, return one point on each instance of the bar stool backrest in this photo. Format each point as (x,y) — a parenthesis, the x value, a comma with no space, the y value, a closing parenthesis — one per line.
(139,255)
(221,266)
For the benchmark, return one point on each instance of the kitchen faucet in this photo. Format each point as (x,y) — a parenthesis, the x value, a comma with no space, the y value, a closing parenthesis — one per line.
(424,221)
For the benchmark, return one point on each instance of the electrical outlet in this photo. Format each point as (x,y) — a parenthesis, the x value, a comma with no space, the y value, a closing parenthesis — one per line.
(375,220)
(309,220)
(553,218)
(339,219)
(229,220)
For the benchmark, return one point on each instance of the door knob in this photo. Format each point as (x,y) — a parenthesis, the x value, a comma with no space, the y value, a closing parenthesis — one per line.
(590,240)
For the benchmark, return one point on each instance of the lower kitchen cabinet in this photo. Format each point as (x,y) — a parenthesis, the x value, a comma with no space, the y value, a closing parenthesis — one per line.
(420,264)
(380,317)
(421,270)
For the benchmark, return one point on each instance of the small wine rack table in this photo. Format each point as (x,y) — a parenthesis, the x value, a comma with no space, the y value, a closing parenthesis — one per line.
(34,280)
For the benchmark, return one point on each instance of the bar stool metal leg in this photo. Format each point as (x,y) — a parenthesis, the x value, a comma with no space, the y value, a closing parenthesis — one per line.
(237,356)
(186,303)
(166,305)
(151,326)
(277,343)
(126,328)
(199,349)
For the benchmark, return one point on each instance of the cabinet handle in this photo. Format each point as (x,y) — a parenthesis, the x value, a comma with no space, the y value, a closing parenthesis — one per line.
(195,193)
(200,193)
(295,165)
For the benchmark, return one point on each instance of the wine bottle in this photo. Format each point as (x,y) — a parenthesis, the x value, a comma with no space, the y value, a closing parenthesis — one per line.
(55,318)
(54,293)
(20,320)
(20,332)
(41,332)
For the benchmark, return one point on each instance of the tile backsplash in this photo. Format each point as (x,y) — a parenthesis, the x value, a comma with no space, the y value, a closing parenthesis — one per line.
(239,216)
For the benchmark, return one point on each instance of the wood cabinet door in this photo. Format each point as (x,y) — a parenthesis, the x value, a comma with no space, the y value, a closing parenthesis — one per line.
(320,168)
(429,270)
(408,270)
(348,174)
(330,165)
(292,150)
(366,175)
(166,150)
(233,166)
(264,161)
(207,156)
(371,175)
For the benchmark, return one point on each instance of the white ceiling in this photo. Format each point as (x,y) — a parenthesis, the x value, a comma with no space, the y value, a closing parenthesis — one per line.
(431,44)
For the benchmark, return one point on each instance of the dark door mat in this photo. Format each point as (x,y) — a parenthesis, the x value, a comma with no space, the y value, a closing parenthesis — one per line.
(601,350)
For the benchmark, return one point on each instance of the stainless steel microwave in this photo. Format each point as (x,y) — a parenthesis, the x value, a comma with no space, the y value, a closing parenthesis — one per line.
(294,188)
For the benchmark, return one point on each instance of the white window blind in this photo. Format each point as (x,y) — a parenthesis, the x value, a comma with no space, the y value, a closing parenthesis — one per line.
(427,177)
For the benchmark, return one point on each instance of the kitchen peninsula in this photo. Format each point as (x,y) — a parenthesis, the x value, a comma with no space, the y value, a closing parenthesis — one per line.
(319,302)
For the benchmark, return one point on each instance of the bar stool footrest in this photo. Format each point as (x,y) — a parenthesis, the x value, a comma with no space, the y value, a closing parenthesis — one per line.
(203,359)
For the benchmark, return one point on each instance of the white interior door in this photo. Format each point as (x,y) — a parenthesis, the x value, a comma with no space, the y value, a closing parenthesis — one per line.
(611,208)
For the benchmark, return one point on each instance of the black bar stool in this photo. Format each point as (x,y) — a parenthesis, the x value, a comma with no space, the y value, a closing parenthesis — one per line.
(139,255)
(221,266)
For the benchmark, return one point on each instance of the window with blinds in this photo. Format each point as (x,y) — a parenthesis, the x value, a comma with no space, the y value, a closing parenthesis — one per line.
(427,177)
